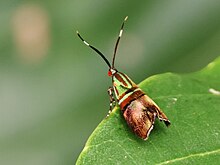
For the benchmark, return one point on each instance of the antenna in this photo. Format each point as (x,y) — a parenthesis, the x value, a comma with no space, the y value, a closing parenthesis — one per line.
(95,49)
(117,42)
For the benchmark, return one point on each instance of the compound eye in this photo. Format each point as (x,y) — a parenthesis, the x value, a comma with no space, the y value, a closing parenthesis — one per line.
(109,73)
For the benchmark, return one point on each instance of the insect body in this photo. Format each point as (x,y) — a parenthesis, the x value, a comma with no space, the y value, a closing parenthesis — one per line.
(139,110)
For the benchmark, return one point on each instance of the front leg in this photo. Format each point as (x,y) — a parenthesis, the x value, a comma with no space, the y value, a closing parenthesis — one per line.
(112,99)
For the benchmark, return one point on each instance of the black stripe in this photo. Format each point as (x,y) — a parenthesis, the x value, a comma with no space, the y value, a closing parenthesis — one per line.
(126,78)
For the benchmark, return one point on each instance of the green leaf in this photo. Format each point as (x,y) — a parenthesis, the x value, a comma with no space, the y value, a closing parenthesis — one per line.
(191,102)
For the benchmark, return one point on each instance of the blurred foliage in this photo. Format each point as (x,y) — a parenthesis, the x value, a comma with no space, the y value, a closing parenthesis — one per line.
(188,100)
(50,82)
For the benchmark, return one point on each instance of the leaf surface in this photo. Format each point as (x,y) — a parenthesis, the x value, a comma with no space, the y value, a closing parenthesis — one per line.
(192,104)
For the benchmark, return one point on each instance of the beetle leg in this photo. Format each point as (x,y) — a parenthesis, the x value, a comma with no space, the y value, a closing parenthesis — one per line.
(112,100)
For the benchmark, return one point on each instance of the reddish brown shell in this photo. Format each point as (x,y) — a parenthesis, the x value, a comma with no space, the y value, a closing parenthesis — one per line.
(140,115)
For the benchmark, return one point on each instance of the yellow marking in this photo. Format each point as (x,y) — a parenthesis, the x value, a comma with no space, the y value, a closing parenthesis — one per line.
(127,95)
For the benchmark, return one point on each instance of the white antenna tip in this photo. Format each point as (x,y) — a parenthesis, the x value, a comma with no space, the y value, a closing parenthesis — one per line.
(126,18)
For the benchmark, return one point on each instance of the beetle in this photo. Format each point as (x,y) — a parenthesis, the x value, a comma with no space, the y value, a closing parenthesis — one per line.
(138,109)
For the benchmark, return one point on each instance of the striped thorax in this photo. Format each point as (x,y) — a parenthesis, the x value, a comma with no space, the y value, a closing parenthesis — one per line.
(125,89)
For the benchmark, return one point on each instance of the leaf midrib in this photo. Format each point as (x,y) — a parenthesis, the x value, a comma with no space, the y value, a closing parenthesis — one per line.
(181,95)
(190,156)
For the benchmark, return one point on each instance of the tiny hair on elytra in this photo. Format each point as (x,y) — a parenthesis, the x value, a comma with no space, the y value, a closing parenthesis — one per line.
(138,109)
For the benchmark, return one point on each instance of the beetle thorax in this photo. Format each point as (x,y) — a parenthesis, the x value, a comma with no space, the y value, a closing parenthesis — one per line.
(121,83)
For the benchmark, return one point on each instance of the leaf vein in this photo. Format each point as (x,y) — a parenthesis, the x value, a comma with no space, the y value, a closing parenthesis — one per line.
(183,95)
(190,156)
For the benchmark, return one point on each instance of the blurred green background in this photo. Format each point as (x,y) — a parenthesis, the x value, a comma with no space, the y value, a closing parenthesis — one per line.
(53,89)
